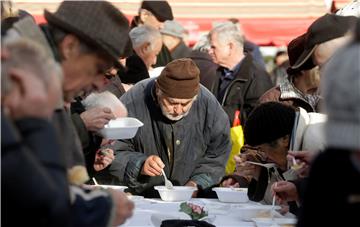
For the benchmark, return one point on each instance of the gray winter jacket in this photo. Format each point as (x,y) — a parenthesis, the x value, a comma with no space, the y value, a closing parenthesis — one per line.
(200,141)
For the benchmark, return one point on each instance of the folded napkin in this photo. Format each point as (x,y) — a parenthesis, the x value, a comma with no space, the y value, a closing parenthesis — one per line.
(183,223)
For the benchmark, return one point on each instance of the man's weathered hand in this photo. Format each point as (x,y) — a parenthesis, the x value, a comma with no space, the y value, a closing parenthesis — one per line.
(230,183)
(245,169)
(285,191)
(123,207)
(152,166)
(304,159)
(103,158)
(95,118)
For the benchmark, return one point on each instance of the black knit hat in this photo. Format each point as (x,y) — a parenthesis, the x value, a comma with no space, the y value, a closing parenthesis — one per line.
(97,23)
(268,122)
(161,9)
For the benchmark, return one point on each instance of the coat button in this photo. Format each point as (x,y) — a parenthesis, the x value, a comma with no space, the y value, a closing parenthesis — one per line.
(177,142)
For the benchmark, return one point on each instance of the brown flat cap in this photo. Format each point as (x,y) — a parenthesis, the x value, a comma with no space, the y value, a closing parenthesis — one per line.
(180,79)
(97,23)
(295,49)
(325,28)
(161,9)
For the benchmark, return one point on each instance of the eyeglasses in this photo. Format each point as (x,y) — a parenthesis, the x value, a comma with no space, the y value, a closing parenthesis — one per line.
(111,73)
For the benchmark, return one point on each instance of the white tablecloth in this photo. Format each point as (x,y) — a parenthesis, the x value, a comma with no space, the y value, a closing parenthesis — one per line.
(225,214)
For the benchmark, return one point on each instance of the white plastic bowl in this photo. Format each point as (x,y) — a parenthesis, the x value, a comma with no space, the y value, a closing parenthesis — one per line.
(115,187)
(232,195)
(178,193)
(268,222)
(121,128)
(247,212)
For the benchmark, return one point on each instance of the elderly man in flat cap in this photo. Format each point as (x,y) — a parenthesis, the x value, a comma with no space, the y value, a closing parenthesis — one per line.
(154,14)
(185,133)
(86,37)
(173,37)
(323,38)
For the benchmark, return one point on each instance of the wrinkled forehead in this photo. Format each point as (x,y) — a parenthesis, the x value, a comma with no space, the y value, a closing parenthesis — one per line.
(178,101)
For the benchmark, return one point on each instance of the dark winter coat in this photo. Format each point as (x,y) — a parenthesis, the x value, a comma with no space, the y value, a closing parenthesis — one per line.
(207,67)
(244,91)
(200,142)
(326,203)
(136,70)
(180,51)
(34,187)
(164,57)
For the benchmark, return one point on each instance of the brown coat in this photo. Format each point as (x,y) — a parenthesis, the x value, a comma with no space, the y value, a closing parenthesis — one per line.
(273,95)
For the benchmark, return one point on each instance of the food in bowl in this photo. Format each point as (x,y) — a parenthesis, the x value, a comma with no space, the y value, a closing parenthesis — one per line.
(246,213)
(231,195)
(268,222)
(177,193)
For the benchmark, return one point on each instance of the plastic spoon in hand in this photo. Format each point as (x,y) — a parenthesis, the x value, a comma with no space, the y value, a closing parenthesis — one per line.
(295,165)
(96,183)
(274,224)
(266,165)
(168,183)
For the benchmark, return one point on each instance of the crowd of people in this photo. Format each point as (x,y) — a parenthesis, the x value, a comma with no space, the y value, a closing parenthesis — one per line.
(63,81)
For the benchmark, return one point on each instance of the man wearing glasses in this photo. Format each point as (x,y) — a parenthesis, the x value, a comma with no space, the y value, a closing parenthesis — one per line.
(271,131)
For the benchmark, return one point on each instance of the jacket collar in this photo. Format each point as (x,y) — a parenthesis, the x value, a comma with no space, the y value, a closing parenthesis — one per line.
(289,91)
(245,70)
(180,51)
(302,121)
(50,40)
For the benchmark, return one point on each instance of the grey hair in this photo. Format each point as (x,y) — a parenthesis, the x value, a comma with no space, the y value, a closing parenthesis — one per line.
(29,56)
(203,44)
(103,99)
(226,32)
(144,34)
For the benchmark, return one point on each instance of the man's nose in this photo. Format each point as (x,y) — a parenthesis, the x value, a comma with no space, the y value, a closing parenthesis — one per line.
(177,109)
(161,25)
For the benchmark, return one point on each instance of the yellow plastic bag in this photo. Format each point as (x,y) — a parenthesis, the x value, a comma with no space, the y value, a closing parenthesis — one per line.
(237,140)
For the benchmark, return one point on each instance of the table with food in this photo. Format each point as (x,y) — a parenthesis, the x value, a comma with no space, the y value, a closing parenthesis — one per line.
(231,209)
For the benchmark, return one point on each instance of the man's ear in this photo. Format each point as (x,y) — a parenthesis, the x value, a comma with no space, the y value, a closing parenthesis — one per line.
(285,141)
(18,78)
(157,89)
(143,15)
(231,47)
(145,48)
(17,88)
(69,46)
